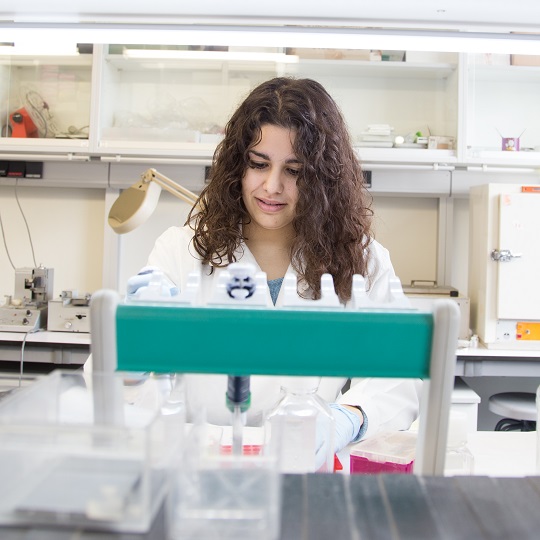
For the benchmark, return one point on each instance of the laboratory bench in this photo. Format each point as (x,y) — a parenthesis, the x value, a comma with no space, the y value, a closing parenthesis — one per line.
(500,501)
(391,506)
(60,349)
(72,348)
(483,362)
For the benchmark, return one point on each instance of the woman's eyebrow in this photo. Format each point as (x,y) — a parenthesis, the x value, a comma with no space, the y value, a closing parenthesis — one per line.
(267,157)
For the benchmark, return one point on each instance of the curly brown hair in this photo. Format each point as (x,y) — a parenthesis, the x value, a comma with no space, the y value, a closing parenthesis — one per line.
(333,212)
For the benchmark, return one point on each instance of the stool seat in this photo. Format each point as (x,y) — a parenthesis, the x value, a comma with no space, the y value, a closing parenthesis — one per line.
(518,410)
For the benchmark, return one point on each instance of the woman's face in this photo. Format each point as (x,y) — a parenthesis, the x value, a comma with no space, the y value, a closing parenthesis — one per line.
(269,187)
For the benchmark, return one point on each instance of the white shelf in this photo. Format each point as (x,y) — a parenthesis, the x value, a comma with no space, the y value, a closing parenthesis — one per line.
(179,151)
(152,64)
(38,145)
(503,159)
(406,155)
(391,70)
(516,74)
(81,60)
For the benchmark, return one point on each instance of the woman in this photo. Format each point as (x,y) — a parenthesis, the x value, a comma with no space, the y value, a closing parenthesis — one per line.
(286,194)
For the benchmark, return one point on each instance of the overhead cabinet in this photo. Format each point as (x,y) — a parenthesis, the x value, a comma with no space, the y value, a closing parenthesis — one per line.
(175,103)
(45,103)
(129,103)
(503,118)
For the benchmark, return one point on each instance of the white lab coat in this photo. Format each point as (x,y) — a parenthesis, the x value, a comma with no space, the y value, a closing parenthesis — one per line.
(388,403)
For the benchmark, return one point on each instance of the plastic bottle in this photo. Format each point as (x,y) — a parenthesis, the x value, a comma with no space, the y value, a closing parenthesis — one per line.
(459,459)
(301,428)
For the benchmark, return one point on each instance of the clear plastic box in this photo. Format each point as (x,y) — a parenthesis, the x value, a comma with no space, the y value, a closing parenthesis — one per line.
(220,495)
(384,452)
(73,452)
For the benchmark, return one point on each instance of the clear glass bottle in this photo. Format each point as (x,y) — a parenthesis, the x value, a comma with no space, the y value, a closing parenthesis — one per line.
(301,428)
(459,459)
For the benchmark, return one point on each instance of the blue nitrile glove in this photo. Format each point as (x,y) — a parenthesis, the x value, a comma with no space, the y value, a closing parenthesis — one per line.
(136,284)
(348,428)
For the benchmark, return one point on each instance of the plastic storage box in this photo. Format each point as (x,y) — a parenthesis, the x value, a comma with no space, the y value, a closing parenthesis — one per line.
(73,452)
(222,495)
(385,452)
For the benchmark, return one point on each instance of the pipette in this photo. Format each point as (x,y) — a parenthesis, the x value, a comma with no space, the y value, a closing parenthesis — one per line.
(238,401)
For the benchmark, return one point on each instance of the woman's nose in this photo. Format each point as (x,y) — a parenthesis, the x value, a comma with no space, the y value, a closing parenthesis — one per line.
(273,183)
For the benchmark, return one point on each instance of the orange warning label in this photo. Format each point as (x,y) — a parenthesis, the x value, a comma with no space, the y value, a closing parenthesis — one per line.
(528,330)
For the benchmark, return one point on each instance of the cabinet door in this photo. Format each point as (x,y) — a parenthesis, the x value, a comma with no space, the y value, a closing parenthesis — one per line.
(503,116)
(175,101)
(45,102)
(409,95)
(519,278)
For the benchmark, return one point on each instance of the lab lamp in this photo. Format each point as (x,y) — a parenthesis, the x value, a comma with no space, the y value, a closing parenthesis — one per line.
(136,204)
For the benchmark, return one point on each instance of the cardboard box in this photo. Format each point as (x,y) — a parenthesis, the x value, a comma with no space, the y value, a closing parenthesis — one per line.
(333,54)
(424,57)
(438,142)
(489,59)
(525,60)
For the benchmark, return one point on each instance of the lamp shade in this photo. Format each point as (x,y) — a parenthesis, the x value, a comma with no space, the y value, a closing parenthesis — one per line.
(134,206)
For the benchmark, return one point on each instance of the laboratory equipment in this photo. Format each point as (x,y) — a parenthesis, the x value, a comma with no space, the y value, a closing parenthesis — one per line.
(135,205)
(64,462)
(238,400)
(21,125)
(71,313)
(504,265)
(27,310)
(240,283)
(236,495)
(459,459)
(239,286)
(301,428)
(385,452)
(149,282)
(222,495)
(422,293)
(425,343)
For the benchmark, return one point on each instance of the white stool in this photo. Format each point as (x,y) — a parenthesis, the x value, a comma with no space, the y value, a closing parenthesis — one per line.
(518,410)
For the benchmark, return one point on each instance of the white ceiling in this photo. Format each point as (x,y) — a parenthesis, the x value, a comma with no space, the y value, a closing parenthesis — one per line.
(480,15)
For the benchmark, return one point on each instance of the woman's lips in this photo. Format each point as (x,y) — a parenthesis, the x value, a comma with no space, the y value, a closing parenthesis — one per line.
(269,206)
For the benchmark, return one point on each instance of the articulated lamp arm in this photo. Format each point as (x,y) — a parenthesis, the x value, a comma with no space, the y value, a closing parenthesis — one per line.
(137,203)
(151,175)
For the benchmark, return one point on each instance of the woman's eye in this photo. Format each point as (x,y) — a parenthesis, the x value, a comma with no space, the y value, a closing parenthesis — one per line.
(294,172)
(257,165)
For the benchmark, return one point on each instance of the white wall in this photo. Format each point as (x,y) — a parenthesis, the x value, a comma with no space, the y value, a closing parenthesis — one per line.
(407,227)
(66,228)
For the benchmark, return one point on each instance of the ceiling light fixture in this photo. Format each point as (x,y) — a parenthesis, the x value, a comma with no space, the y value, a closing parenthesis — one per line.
(278,36)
